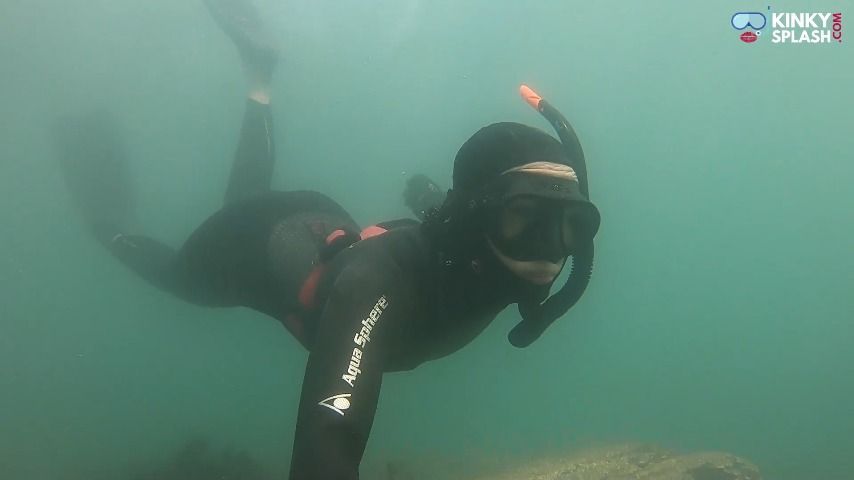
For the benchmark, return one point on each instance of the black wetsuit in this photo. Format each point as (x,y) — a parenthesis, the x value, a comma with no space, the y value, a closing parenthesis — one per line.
(385,303)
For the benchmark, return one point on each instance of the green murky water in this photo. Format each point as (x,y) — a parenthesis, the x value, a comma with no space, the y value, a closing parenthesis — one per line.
(719,317)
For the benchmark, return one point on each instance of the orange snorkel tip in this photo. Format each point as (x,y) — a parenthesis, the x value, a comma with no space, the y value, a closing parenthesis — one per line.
(563,129)
(530,96)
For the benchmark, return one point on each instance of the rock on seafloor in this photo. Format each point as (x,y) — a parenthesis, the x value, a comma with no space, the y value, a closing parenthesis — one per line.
(632,462)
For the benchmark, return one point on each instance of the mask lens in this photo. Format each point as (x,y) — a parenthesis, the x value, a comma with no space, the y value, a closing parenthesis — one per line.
(517,217)
(536,229)
(757,21)
(742,20)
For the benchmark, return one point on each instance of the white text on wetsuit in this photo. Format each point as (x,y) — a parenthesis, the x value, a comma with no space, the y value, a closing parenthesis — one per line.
(361,340)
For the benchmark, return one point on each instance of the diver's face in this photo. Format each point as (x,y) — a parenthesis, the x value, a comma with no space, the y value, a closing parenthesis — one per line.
(532,237)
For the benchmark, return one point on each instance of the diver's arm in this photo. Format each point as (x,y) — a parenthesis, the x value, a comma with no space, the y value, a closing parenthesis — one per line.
(344,374)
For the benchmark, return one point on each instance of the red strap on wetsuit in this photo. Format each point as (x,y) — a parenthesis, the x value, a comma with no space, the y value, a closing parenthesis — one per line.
(308,291)
(372,231)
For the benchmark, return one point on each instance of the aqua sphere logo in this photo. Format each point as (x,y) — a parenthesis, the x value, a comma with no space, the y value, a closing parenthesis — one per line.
(754,22)
(789,27)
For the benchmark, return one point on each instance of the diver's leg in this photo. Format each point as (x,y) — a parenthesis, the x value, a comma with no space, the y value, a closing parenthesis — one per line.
(156,263)
(252,169)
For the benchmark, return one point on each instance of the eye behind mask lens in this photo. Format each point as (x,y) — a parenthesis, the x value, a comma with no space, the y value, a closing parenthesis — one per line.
(517,218)
(535,229)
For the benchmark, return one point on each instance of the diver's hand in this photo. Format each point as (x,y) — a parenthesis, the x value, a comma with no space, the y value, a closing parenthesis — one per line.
(422,195)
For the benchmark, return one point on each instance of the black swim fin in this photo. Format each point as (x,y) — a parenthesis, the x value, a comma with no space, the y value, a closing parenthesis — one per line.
(91,154)
(242,22)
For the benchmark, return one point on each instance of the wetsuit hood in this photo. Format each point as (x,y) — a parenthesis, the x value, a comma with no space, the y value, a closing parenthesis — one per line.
(507,160)
(500,147)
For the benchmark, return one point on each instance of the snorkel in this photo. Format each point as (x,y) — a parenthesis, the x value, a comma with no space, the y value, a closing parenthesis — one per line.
(537,317)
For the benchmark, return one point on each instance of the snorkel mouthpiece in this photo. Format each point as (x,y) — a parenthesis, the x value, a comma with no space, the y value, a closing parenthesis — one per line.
(537,317)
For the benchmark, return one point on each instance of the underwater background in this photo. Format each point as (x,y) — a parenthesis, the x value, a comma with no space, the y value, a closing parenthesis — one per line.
(720,312)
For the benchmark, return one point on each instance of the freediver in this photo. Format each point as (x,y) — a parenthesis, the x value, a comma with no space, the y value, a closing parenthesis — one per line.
(361,301)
